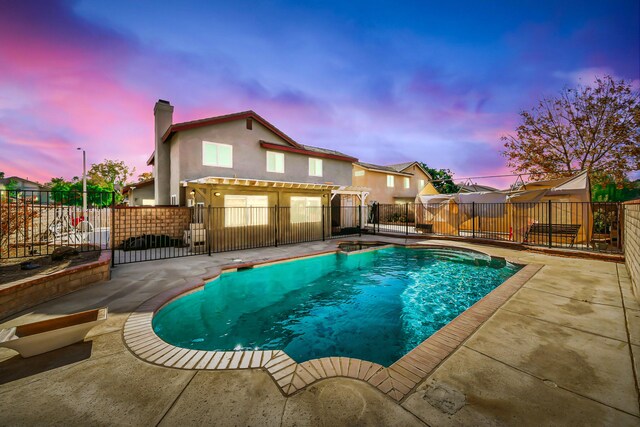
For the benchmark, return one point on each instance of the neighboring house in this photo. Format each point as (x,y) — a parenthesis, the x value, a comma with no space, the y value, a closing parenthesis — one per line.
(393,184)
(139,193)
(28,189)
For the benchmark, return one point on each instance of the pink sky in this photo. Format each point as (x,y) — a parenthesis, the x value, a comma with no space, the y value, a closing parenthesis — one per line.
(384,87)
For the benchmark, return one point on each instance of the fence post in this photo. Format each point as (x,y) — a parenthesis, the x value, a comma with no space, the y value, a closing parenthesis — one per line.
(209,232)
(371,215)
(550,223)
(360,220)
(473,220)
(406,219)
(275,222)
(377,217)
(323,208)
(113,229)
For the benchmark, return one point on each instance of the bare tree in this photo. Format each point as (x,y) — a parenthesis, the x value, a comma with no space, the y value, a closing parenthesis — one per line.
(594,128)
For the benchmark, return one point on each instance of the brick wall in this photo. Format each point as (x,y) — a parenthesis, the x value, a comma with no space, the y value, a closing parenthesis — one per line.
(26,293)
(136,221)
(632,243)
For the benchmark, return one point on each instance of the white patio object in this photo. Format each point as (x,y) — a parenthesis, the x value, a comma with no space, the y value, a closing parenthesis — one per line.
(36,338)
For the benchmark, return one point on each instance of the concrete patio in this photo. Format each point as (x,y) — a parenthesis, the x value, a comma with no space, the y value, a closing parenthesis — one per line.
(561,351)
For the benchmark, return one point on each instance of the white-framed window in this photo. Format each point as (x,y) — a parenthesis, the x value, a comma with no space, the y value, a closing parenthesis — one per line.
(358,173)
(420,184)
(275,162)
(315,167)
(245,210)
(215,154)
(174,200)
(306,209)
(390,181)
(407,182)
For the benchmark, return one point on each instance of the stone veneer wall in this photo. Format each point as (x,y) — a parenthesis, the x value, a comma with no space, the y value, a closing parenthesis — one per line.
(632,243)
(136,221)
(26,293)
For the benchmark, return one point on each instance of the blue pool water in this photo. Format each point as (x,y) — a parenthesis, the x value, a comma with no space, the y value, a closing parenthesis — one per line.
(375,305)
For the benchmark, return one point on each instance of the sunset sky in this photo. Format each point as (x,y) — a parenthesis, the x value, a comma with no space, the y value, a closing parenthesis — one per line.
(438,82)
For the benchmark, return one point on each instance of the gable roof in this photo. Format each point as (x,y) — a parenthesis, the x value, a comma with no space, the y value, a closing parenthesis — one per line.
(250,114)
(138,184)
(400,167)
(177,127)
(5,181)
(379,168)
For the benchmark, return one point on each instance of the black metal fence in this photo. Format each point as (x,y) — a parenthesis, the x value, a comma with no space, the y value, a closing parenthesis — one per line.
(576,225)
(37,222)
(152,233)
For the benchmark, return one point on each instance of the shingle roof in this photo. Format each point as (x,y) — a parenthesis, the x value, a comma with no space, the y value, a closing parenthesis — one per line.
(324,150)
(382,168)
(401,166)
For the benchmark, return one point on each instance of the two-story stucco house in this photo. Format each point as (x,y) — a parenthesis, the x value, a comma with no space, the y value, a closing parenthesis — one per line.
(393,184)
(240,160)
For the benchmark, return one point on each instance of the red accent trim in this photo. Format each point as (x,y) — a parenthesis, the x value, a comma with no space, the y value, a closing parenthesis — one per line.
(278,147)
(177,127)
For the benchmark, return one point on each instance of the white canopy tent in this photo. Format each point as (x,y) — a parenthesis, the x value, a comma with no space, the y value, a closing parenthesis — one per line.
(511,213)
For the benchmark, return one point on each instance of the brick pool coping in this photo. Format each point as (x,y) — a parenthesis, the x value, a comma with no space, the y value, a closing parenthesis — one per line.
(396,381)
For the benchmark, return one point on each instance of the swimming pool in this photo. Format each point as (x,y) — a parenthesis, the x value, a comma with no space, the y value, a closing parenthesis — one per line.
(375,305)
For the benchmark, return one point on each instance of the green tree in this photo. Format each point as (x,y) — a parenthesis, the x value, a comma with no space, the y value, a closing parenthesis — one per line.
(70,193)
(442,179)
(610,192)
(12,188)
(113,173)
(594,128)
(145,176)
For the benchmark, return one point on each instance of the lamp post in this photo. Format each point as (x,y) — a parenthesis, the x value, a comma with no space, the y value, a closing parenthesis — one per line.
(84,182)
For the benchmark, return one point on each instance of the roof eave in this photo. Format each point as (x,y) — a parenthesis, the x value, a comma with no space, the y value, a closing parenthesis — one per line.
(177,127)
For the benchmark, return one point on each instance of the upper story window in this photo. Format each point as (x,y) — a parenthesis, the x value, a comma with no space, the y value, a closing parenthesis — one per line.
(214,154)
(407,182)
(420,184)
(275,162)
(390,181)
(358,173)
(315,167)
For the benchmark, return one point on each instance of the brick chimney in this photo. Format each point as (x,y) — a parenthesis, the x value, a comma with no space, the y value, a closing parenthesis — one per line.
(163,118)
